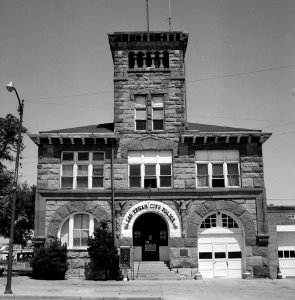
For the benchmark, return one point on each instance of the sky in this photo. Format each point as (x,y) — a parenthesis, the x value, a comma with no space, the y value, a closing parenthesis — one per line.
(240,68)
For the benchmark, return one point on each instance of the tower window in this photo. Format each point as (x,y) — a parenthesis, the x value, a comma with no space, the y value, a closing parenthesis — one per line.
(166,59)
(140,59)
(140,112)
(131,60)
(158,112)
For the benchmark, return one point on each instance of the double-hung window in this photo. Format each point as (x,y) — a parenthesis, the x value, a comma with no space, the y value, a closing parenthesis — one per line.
(158,112)
(82,170)
(150,169)
(218,168)
(140,112)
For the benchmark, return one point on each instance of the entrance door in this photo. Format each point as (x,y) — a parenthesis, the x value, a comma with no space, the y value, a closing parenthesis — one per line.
(220,256)
(150,234)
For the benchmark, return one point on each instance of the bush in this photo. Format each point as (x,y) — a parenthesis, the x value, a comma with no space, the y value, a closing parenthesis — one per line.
(50,262)
(102,252)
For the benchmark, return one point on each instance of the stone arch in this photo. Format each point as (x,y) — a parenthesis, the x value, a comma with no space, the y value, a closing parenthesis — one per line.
(72,207)
(199,211)
(131,214)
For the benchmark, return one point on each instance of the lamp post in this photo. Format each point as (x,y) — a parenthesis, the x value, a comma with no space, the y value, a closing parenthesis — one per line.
(10,87)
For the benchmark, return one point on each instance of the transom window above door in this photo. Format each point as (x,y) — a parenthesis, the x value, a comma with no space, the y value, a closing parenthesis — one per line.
(219,220)
(218,168)
(150,169)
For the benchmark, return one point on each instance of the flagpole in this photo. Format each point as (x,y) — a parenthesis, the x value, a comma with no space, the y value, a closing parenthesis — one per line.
(147,16)
(169,15)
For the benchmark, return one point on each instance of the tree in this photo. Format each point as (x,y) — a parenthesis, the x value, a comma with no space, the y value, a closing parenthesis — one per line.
(102,252)
(50,262)
(8,147)
(24,214)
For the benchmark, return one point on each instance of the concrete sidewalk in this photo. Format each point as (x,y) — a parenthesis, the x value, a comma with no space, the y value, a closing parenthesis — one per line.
(24,287)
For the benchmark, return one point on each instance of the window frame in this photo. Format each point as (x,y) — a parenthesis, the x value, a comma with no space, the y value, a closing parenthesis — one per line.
(158,107)
(138,108)
(224,162)
(75,163)
(70,218)
(158,161)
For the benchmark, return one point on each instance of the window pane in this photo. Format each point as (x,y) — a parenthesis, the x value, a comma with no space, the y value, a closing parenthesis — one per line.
(281,254)
(64,233)
(158,114)
(158,124)
(83,170)
(83,156)
(67,182)
(98,156)
(219,254)
(292,253)
(140,125)
(67,170)
(97,182)
(158,101)
(140,114)
(97,170)
(165,181)
(237,254)
(69,156)
(205,255)
(150,182)
(134,170)
(203,177)
(233,169)
(82,182)
(140,101)
(286,254)
(135,181)
(150,170)
(81,221)
(217,170)
(165,169)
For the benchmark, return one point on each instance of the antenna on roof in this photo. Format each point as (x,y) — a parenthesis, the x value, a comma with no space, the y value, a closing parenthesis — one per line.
(169,18)
(147,16)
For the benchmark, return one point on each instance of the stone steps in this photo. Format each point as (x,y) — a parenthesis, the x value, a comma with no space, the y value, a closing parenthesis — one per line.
(153,270)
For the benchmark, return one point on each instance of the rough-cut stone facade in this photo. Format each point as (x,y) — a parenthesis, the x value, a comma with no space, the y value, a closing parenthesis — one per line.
(190,204)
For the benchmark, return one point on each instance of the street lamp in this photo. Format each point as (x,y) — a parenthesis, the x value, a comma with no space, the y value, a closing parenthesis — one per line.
(10,87)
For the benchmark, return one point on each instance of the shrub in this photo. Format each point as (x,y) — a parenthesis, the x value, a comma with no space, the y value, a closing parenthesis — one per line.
(102,252)
(50,262)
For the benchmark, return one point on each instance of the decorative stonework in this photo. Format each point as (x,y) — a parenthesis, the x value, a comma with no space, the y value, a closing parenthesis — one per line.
(199,211)
(157,207)
(72,207)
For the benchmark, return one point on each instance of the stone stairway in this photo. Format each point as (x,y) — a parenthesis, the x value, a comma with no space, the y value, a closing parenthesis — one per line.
(153,270)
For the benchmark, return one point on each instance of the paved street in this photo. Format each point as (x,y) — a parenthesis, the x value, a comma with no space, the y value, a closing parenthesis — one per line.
(26,288)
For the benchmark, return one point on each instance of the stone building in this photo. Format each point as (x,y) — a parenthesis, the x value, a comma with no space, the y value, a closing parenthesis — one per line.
(189,194)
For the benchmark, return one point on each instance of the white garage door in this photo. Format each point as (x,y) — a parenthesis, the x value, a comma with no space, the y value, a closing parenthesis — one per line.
(220,255)
(286,248)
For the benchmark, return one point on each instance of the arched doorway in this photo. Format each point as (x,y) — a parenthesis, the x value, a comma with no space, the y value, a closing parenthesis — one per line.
(150,238)
(220,246)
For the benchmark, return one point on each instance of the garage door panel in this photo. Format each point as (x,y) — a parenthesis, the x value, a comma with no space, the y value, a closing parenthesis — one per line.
(286,253)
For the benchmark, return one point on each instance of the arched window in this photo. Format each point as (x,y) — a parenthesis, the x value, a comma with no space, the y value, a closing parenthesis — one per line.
(166,59)
(157,60)
(219,220)
(140,59)
(148,59)
(76,230)
(131,60)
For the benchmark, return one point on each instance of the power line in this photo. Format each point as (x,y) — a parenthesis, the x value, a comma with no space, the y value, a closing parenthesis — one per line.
(242,73)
